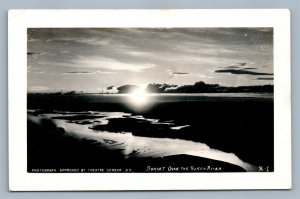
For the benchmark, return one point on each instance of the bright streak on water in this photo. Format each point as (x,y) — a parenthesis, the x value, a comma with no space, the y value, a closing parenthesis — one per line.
(145,146)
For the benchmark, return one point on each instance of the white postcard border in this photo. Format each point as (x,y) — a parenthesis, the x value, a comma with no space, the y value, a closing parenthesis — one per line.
(20,20)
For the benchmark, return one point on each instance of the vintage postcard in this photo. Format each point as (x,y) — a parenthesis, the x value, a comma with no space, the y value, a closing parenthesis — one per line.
(149,99)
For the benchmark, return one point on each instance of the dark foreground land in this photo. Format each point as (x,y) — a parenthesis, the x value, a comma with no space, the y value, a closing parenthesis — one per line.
(50,149)
(243,126)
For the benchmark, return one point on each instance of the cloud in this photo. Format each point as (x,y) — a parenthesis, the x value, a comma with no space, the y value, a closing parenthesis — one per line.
(238,65)
(105,72)
(65,51)
(264,29)
(37,88)
(179,73)
(33,69)
(250,68)
(79,73)
(38,72)
(138,53)
(231,67)
(33,40)
(87,72)
(241,72)
(54,63)
(109,89)
(35,54)
(87,41)
(265,78)
(111,64)
(145,54)
(176,73)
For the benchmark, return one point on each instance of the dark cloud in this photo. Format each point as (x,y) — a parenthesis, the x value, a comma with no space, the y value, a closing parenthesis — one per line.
(35,53)
(231,67)
(250,68)
(179,73)
(197,87)
(78,72)
(241,72)
(265,78)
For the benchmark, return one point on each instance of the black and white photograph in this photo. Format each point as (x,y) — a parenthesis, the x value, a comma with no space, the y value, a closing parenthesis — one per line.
(149,100)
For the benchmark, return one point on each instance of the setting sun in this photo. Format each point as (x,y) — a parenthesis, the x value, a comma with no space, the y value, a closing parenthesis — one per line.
(139,96)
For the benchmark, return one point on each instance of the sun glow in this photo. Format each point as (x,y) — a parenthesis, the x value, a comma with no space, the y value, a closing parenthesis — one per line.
(139,96)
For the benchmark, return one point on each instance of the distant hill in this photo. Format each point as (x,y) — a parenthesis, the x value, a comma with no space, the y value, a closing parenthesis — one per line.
(198,87)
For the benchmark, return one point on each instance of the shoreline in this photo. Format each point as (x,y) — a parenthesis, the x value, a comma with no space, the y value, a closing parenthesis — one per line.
(69,152)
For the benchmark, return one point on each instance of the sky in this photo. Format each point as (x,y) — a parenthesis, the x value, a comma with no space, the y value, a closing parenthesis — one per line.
(92,59)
